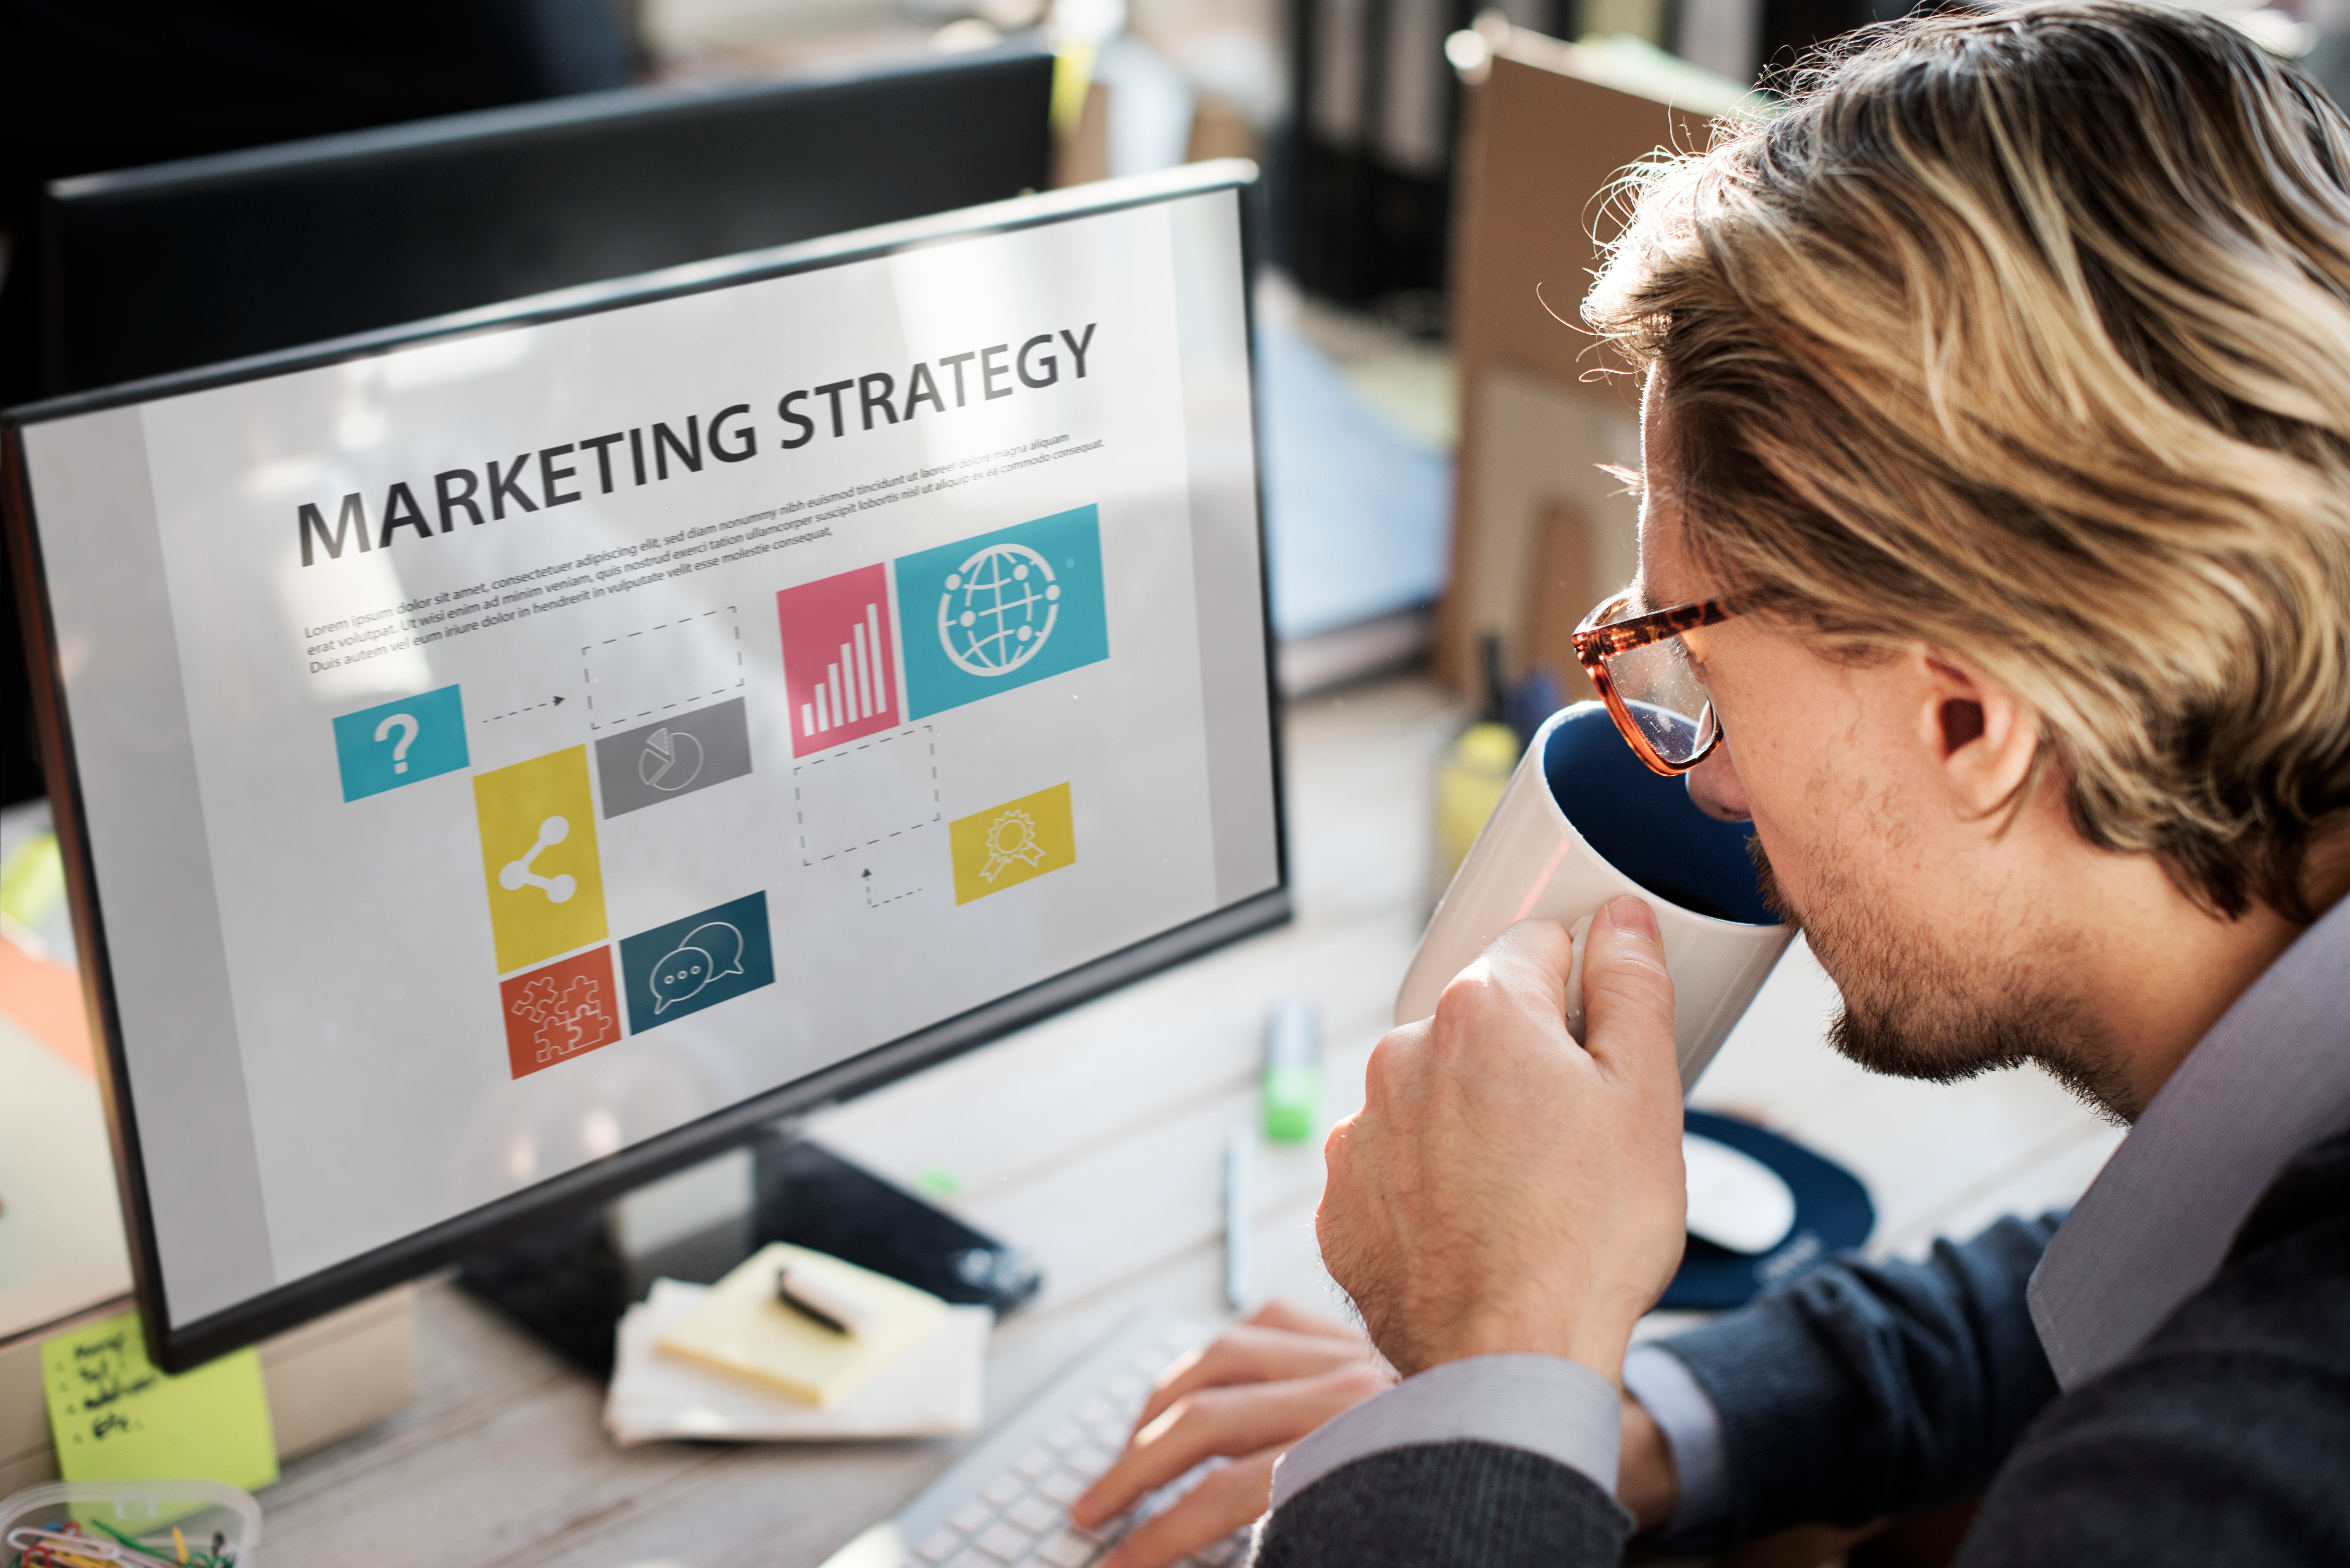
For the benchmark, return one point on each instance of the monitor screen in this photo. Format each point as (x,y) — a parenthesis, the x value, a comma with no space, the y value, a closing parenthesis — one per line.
(507,760)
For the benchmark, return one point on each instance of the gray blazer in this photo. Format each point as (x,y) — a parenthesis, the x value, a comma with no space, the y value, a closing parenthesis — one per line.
(1863,1390)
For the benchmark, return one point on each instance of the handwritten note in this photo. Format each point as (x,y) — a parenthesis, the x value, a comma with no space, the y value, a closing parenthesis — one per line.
(114,1417)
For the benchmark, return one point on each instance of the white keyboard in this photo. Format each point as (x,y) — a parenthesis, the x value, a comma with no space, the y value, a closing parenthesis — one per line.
(1005,1504)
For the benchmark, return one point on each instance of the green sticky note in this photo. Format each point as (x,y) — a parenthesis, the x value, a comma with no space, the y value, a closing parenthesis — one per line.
(114,1417)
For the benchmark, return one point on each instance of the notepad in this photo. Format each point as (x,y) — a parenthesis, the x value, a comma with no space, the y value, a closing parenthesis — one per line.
(742,1328)
(937,1389)
(113,1416)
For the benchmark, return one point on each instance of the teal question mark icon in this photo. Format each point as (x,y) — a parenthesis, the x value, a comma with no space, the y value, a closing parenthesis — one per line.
(408,726)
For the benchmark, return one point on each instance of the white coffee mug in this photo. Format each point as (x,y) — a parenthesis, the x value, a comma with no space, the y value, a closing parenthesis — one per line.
(1584,821)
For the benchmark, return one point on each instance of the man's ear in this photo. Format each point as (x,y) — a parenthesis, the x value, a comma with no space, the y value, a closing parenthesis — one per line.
(1983,740)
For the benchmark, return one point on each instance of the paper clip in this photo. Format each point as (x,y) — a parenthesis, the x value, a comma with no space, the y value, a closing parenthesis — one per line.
(66,1548)
(70,1546)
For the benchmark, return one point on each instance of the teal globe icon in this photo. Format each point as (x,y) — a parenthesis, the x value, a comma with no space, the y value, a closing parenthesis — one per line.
(998,608)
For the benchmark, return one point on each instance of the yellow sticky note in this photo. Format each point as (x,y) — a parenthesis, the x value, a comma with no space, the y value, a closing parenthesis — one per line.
(113,1416)
(740,1327)
(1009,844)
(538,858)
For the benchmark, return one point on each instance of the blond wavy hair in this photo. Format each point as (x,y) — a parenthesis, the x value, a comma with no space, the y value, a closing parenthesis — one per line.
(2026,333)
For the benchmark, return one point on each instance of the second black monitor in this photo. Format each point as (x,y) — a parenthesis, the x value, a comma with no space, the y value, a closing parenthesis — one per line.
(179,264)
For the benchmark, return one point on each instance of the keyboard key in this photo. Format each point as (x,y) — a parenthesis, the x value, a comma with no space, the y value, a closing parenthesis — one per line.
(1034,1514)
(1004,1541)
(1020,1519)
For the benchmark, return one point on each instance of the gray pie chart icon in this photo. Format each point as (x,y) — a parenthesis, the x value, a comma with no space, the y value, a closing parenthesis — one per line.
(671,761)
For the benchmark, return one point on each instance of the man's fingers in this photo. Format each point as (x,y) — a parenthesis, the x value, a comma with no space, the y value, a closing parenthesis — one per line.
(1200,1426)
(1252,1354)
(1222,1421)
(1229,1498)
(1279,1314)
(1628,997)
(1525,968)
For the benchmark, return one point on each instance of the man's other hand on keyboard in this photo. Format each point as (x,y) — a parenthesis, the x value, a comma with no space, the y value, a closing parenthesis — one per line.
(1246,1398)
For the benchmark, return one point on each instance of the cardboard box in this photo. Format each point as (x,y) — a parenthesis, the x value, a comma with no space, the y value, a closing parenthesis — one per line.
(1540,531)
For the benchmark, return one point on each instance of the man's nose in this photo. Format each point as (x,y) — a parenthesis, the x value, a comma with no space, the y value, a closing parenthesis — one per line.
(1715,786)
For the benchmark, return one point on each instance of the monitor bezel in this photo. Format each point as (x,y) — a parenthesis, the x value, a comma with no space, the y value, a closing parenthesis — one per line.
(176,1348)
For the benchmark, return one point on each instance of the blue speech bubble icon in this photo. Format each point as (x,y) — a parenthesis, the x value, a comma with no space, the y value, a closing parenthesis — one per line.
(681,972)
(712,951)
(708,958)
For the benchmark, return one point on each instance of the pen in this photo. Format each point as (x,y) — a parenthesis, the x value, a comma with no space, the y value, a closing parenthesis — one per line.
(1239,1215)
(835,1303)
(815,1315)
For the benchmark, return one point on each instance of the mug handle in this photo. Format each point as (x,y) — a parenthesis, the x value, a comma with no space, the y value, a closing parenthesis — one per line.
(1578,934)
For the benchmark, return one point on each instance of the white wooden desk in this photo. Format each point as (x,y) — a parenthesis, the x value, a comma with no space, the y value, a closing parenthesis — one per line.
(1094,1140)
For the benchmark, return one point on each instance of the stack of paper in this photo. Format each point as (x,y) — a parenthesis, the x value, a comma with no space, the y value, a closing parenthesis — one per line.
(936,1389)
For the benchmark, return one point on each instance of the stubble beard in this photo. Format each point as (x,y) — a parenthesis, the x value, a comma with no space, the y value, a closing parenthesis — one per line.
(1911,1009)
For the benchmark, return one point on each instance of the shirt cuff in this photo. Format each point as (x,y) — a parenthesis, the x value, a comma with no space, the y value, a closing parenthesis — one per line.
(1560,1409)
(1660,1381)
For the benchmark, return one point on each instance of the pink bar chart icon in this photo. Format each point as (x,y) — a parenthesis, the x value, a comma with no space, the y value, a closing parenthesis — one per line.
(839,668)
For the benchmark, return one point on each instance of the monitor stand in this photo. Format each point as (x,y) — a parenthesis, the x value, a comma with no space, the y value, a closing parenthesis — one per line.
(569,1282)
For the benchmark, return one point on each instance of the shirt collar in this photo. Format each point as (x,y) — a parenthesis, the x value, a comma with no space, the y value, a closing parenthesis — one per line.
(2271,1078)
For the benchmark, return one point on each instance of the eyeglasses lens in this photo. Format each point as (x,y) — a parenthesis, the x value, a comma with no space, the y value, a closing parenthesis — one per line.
(1664,698)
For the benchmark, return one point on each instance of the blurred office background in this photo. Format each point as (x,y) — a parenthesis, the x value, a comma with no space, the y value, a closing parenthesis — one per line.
(1378,365)
(1432,442)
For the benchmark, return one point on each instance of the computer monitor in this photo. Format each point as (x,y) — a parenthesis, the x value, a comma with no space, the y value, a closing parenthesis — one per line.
(505,760)
(209,259)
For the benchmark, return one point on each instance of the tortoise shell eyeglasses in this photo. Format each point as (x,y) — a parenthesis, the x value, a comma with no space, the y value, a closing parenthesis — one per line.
(1641,666)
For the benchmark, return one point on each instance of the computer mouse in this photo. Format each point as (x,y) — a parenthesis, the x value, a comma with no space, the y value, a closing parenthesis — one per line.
(1736,1201)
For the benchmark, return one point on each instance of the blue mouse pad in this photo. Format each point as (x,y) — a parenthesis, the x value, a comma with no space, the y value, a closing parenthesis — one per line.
(1832,1212)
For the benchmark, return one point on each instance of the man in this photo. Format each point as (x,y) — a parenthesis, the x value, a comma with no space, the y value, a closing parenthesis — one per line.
(1998,472)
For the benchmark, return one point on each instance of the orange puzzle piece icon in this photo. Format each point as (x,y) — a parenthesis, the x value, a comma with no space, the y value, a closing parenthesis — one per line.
(561,1011)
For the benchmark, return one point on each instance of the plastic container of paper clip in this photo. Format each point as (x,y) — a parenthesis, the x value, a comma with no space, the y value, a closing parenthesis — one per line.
(129,1524)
